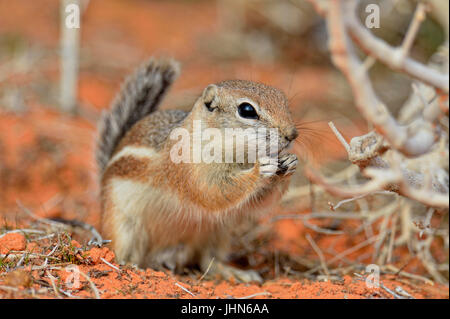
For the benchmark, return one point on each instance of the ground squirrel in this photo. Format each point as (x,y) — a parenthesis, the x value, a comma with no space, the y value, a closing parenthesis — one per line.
(158,212)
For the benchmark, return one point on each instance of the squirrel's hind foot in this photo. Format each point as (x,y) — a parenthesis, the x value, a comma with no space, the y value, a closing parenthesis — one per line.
(228,272)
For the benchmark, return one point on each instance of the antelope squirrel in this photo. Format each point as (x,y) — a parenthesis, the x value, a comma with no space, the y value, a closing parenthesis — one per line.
(161,213)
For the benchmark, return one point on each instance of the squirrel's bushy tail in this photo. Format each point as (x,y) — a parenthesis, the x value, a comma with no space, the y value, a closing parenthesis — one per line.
(139,96)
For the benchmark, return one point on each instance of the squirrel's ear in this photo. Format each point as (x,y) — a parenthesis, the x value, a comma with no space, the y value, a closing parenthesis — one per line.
(209,94)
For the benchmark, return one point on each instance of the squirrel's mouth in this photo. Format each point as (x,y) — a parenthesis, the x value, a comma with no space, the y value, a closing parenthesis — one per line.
(279,145)
(288,147)
(284,145)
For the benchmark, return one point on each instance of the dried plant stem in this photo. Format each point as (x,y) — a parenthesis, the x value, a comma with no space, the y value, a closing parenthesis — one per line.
(320,254)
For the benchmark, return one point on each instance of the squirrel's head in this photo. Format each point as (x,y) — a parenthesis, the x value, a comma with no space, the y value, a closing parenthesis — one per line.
(246,104)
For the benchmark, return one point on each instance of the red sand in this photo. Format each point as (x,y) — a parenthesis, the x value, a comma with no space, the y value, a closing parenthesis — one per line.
(133,283)
(12,241)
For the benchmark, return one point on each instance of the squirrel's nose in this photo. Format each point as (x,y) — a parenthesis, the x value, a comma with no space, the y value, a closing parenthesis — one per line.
(291,134)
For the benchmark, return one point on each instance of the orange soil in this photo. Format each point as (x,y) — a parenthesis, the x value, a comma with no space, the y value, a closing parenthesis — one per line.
(132,283)
(46,158)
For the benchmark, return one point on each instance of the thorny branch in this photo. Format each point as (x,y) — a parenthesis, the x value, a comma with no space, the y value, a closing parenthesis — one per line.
(424,141)
(409,155)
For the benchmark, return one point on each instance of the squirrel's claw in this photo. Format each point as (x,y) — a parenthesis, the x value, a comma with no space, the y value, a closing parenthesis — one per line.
(287,164)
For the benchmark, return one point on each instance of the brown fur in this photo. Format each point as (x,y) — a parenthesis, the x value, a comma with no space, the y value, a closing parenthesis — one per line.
(162,214)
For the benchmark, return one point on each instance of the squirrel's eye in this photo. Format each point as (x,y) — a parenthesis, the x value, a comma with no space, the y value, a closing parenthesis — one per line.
(247,111)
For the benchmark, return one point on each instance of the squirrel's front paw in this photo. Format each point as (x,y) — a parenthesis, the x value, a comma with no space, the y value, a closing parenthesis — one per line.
(287,164)
(268,166)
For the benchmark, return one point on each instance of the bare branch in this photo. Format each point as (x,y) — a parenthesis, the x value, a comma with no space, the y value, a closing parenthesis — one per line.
(411,143)
(419,17)
(392,57)
(319,253)
(408,156)
(414,140)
